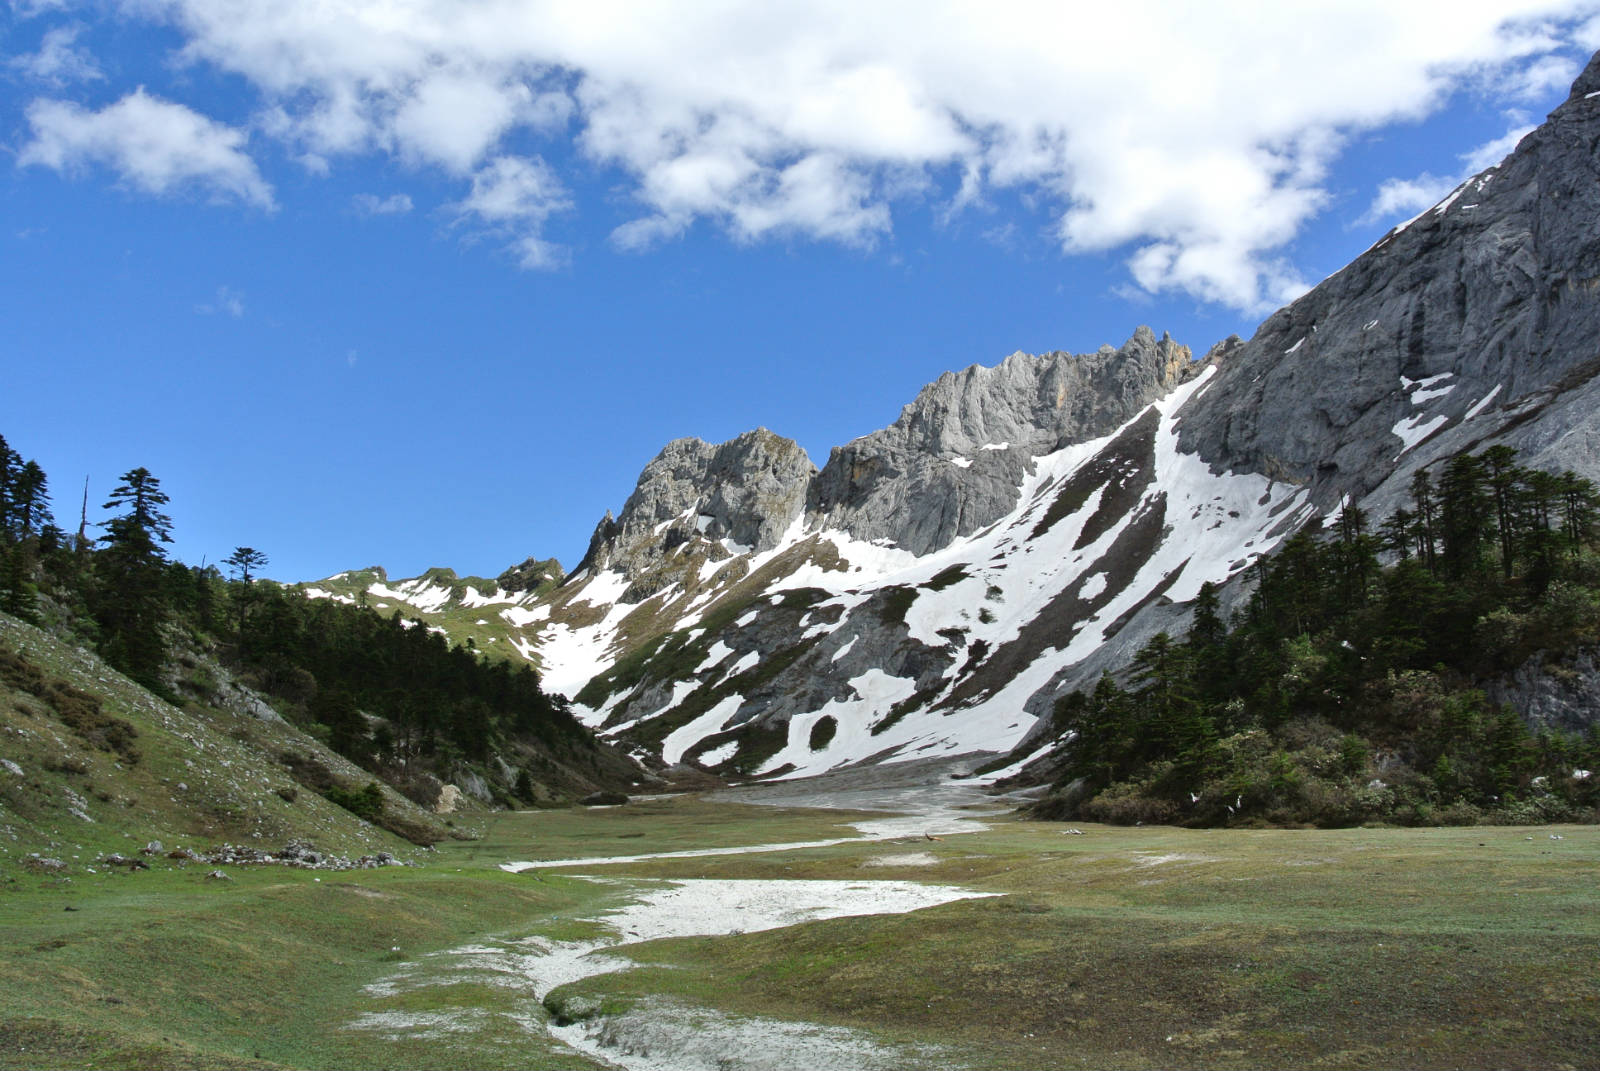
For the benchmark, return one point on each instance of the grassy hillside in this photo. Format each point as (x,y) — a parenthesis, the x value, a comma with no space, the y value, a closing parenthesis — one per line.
(96,764)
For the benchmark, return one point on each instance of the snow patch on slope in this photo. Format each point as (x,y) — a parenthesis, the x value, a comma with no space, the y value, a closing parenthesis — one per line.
(876,692)
(1210,526)
(708,724)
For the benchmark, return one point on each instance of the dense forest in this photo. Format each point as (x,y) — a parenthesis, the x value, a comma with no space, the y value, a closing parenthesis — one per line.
(387,693)
(1346,690)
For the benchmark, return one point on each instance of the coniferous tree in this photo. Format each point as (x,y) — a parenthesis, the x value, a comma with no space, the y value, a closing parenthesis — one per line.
(1580,505)
(1426,531)
(1502,477)
(1465,514)
(1208,646)
(1356,557)
(245,562)
(17,595)
(131,599)
(1536,500)
(30,501)
(24,519)
(1398,533)
(9,464)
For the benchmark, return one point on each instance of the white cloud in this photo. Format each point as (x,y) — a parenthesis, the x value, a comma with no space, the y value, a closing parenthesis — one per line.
(396,204)
(1407,198)
(155,145)
(453,119)
(1492,152)
(1192,139)
(58,61)
(1543,75)
(512,196)
(229,302)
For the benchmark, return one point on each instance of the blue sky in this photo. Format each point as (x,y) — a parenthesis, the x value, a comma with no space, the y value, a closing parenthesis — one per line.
(425,283)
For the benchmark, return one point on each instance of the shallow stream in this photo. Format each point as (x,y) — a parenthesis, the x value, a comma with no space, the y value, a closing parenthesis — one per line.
(664,1035)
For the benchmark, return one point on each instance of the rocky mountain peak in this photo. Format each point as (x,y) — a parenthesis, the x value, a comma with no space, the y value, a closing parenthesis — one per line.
(1588,82)
(1473,324)
(954,459)
(1462,324)
(743,494)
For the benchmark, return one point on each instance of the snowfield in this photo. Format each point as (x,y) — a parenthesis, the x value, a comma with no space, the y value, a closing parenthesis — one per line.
(1100,529)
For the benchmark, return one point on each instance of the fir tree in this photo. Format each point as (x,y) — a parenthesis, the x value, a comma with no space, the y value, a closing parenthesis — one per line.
(131,599)
(9,464)
(30,501)
(244,562)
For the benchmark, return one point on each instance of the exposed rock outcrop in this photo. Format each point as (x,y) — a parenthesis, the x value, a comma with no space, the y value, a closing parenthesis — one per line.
(743,494)
(1563,696)
(954,460)
(939,583)
(1479,318)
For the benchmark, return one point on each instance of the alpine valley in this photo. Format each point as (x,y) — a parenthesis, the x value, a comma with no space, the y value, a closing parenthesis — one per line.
(939,584)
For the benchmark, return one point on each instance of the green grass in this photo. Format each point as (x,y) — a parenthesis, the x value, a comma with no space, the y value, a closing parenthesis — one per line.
(267,967)
(1123,947)
(202,776)
(1369,947)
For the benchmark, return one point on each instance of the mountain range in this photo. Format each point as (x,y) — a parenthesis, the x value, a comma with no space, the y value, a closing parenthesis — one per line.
(1019,529)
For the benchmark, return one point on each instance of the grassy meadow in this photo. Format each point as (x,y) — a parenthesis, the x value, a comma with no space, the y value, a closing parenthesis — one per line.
(1123,947)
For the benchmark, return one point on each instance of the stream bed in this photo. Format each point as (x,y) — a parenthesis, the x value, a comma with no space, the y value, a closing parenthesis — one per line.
(659,1034)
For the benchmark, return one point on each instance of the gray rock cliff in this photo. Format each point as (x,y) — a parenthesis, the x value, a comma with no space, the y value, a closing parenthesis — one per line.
(1463,325)
(1476,323)
(954,460)
(746,491)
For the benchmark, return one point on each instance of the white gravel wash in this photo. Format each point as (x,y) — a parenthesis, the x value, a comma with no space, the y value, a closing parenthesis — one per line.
(691,853)
(679,1037)
(698,907)
(714,907)
(663,1035)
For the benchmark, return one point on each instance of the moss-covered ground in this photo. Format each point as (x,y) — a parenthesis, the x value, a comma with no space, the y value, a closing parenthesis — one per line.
(1122,947)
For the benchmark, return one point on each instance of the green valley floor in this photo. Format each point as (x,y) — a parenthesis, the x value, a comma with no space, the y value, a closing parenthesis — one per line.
(1095,946)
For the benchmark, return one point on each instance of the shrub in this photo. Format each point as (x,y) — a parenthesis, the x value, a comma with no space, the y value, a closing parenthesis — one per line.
(366,802)
(822,732)
(1126,804)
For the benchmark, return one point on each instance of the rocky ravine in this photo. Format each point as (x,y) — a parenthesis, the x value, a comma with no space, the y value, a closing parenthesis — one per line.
(940,582)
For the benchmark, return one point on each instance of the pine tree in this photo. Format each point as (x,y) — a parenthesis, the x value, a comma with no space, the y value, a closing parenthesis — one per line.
(1355,558)
(1465,515)
(9,464)
(131,603)
(244,562)
(1399,533)
(17,596)
(1426,531)
(1536,500)
(1580,505)
(24,518)
(1503,478)
(30,501)
(140,495)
